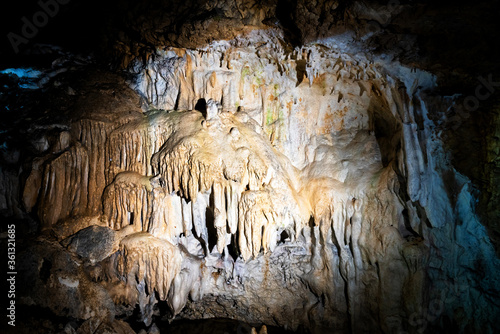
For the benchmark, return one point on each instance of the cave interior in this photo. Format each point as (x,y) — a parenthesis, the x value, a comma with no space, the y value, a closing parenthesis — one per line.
(281,166)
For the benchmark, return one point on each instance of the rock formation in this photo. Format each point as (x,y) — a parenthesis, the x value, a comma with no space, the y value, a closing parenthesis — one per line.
(299,186)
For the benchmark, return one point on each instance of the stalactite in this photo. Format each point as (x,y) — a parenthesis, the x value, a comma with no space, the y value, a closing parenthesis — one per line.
(64,177)
(228,173)
(307,180)
(144,258)
(128,201)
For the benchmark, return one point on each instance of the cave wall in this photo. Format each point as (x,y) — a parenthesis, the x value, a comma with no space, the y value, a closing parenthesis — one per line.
(277,173)
(309,189)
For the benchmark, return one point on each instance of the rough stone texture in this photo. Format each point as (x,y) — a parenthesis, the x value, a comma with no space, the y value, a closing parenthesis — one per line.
(94,243)
(493,178)
(53,278)
(289,175)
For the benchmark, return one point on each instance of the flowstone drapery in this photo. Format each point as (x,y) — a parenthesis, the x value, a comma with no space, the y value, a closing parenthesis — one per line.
(290,188)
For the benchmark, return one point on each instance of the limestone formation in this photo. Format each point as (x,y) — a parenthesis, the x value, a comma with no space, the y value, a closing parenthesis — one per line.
(308,192)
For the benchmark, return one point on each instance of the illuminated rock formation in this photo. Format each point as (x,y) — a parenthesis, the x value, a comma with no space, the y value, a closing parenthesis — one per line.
(292,187)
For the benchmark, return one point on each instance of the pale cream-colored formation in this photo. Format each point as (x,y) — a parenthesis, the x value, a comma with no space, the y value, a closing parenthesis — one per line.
(247,184)
(307,190)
